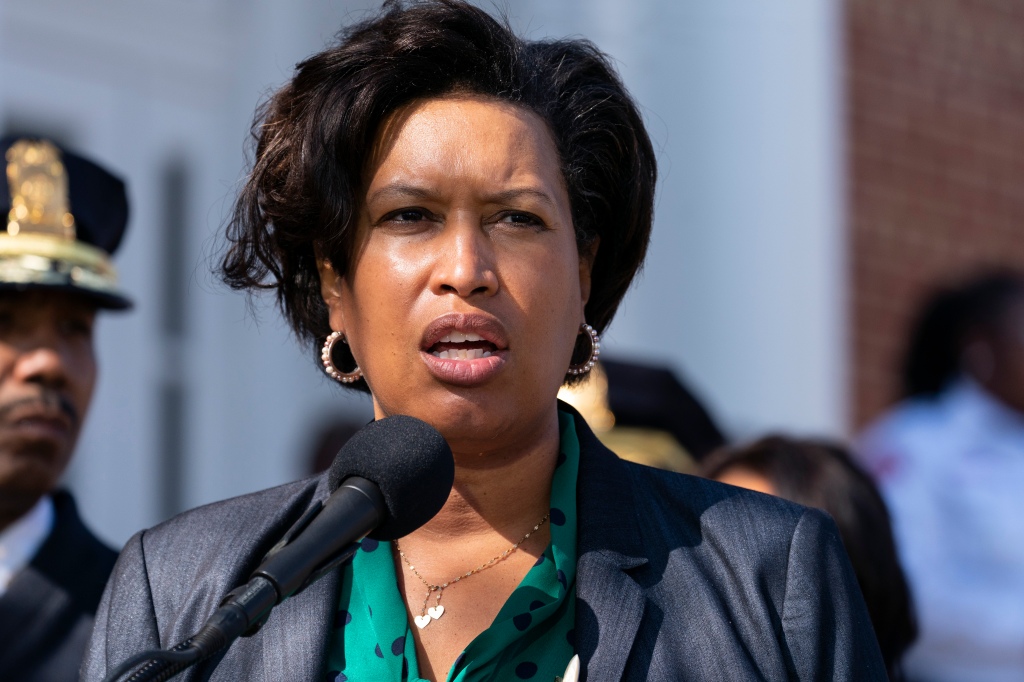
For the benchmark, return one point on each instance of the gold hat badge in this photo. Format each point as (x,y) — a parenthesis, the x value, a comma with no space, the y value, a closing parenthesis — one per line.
(40,247)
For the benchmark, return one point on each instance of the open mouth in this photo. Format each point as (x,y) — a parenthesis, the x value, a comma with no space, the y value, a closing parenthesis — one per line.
(465,349)
(456,345)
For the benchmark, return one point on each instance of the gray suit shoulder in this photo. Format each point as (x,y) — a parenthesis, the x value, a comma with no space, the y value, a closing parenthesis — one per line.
(217,545)
(169,578)
(780,566)
(208,527)
(678,507)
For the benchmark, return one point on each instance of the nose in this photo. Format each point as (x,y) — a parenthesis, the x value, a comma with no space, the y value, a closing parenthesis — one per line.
(466,264)
(42,361)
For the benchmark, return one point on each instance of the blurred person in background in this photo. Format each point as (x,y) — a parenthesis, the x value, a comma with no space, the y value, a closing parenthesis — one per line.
(823,475)
(653,398)
(645,414)
(949,460)
(62,217)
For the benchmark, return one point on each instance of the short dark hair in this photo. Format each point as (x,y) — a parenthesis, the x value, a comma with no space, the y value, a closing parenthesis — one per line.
(946,322)
(823,475)
(314,136)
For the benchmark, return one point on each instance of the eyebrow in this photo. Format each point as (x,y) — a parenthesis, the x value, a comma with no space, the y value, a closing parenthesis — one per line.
(400,191)
(510,195)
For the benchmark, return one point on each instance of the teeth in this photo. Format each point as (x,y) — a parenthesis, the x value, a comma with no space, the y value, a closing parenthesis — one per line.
(463,354)
(460,337)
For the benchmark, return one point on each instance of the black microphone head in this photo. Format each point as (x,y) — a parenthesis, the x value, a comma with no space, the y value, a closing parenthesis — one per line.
(409,461)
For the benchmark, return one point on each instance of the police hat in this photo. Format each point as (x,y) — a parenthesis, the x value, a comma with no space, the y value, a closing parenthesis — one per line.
(61,218)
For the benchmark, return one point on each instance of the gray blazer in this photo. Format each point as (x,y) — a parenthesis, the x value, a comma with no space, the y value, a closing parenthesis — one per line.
(678,578)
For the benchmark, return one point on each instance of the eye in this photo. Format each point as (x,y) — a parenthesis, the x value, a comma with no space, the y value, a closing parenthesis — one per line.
(79,325)
(521,218)
(406,215)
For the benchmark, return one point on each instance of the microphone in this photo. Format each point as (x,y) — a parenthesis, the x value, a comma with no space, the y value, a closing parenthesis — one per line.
(413,467)
(391,477)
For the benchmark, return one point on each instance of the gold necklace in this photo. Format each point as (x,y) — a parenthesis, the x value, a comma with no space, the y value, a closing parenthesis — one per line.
(436,611)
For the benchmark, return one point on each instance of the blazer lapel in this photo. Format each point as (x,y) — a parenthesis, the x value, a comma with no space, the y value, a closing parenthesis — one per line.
(609,600)
(33,615)
(609,608)
(296,647)
(49,605)
(293,644)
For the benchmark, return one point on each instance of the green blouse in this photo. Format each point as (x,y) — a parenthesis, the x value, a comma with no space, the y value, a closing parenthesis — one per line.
(531,638)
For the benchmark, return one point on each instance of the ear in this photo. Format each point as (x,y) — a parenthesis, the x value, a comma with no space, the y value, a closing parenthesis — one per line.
(587,257)
(331,284)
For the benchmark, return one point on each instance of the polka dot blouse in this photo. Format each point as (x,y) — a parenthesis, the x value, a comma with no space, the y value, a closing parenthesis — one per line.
(531,638)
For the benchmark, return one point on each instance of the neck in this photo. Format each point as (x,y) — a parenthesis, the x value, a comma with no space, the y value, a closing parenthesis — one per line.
(14,505)
(505,489)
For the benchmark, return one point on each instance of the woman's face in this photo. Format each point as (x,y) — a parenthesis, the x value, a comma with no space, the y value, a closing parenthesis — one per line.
(466,291)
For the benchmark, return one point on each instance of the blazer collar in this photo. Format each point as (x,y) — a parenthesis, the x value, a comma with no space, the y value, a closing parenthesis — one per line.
(298,647)
(609,600)
(33,608)
(294,643)
(85,577)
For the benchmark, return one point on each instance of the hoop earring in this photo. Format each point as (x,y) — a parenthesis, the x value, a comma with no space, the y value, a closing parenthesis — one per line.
(326,355)
(595,351)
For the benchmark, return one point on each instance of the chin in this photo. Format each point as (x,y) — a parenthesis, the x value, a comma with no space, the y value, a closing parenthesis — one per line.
(456,408)
(31,464)
(477,417)
(23,486)
(478,421)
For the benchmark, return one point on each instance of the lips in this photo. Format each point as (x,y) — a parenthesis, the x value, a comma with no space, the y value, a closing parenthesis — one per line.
(32,425)
(456,331)
(45,417)
(464,349)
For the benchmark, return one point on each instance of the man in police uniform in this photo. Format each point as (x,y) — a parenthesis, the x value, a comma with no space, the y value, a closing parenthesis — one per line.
(61,217)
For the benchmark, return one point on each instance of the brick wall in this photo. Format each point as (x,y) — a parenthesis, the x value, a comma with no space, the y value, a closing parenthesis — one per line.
(935,108)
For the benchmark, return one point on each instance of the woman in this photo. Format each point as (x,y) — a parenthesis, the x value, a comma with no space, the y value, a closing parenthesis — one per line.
(823,475)
(452,215)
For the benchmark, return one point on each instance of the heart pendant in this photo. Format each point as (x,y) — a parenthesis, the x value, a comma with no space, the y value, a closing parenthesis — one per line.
(435,612)
(572,673)
(421,621)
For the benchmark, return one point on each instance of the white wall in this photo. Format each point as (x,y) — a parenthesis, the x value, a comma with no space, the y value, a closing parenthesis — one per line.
(743,291)
(744,287)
